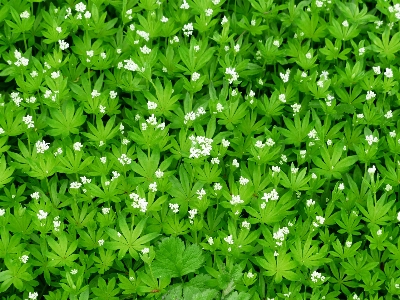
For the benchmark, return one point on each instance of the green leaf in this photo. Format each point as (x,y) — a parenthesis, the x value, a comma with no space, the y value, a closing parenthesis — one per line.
(173,259)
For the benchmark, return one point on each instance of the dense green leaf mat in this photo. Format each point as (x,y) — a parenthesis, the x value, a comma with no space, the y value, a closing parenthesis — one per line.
(199,150)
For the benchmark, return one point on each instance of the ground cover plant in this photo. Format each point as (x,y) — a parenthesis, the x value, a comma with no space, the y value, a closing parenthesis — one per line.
(224,149)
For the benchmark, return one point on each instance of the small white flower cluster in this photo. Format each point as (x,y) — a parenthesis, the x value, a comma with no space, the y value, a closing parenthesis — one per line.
(28,121)
(16,98)
(58,152)
(145,49)
(85,180)
(229,239)
(396,10)
(174,207)
(210,241)
(389,114)
(215,160)
(184,5)
(232,72)
(153,187)
(246,224)
(77,146)
(75,185)
(35,195)
(388,73)
(130,65)
(224,21)
(2,212)
(329,99)
(124,159)
(372,170)
(200,193)
(63,44)
(201,146)
(371,139)
(236,200)
(323,77)
(41,146)
(243,181)
(320,221)
(49,93)
(273,195)
(370,95)
(175,39)
(105,210)
(151,105)
(192,214)
(115,175)
(143,34)
(152,120)
(310,202)
(296,108)
(128,14)
(191,116)
(269,142)
(33,296)
(159,173)
(42,214)
(57,223)
(217,186)
(20,60)
(188,29)
(195,76)
(138,202)
(24,259)
(275,169)
(280,235)
(285,77)
(235,163)
(316,276)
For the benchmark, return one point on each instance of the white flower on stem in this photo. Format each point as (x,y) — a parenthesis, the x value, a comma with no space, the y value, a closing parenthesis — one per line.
(153,187)
(345,23)
(80,7)
(41,146)
(224,21)
(389,114)
(24,259)
(388,73)
(25,15)
(174,207)
(101,242)
(159,173)
(145,50)
(63,44)
(42,214)
(77,146)
(195,76)
(164,19)
(236,200)
(229,239)
(243,181)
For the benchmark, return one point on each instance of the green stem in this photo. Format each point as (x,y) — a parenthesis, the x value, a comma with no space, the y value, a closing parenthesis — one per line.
(26,48)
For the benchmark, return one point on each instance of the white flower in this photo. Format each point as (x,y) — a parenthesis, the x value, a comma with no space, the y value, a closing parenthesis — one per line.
(35,195)
(371,139)
(398,216)
(377,70)
(209,12)
(232,72)
(195,76)
(24,258)
(246,224)
(159,173)
(308,55)
(361,51)
(243,181)
(24,15)
(75,185)
(348,244)
(103,160)
(269,142)
(210,241)
(389,114)
(33,296)
(77,146)
(236,200)
(235,163)
(63,45)
(392,134)
(101,242)
(42,215)
(345,23)
(259,144)
(200,193)
(74,271)
(388,73)
(372,170)
(236,48)
(329,142)
(310,202)
(164,19)
(229,239)
(273,195)
(28,121)
(225,143)
(379,232)
(341,186)
(55,75)
(174,207)
(388,188)
(102,109)
(145,50)
(87,15)
(80,7)
(217,186)
(188,29)
(276,43)
(95,94)
(153,187)
(296,107)
(224,21)
(41,146)
(145,250)
(59,29)
(215,160)
(105,210)
(184,5)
